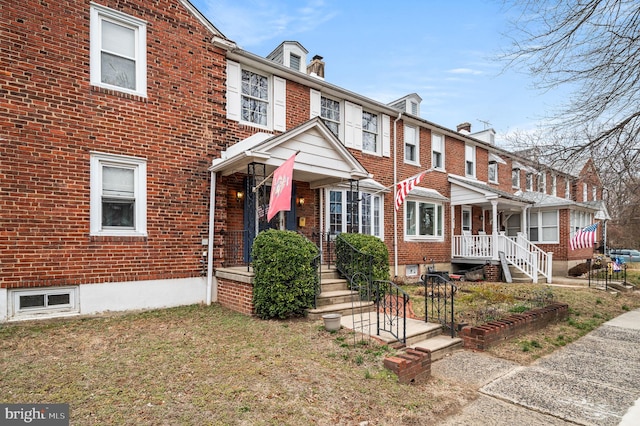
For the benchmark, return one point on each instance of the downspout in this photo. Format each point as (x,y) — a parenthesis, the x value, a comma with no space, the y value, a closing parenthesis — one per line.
(395,187)
(212,292)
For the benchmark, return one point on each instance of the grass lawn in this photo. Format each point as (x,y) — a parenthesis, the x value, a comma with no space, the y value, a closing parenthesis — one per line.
(210,366)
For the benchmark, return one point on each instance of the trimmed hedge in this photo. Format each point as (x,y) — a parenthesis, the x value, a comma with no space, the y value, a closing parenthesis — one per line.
(367,244)
(285,277)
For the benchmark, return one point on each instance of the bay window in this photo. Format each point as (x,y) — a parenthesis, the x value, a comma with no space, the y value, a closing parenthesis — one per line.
(423,220)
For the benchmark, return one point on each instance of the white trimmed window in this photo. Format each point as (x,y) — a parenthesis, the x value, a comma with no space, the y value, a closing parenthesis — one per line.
(529,182)
(470,161)
(437,151)
(330,113)
(554,185)
(256,99)
(370,132)
(567,188)
(423,220)
(543,226)
(367,219)
(411,146)
(118,56)
(594,193)
(515,178)
(118,195)
(493,172)
(584,192)
(542,182)
(44,301)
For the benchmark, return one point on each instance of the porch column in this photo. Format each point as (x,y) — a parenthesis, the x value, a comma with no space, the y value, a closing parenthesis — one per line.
(524,223)
(494,229)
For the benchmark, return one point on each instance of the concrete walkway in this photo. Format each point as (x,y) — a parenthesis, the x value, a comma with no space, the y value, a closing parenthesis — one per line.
(592,381)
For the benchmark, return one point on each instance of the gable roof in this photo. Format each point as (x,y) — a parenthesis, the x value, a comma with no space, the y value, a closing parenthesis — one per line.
(322,159)
(200,17)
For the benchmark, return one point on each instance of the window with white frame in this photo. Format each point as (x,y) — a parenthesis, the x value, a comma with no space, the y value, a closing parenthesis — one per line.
(594,193)
(330,113)
(437,151)
(543,226)
(466,219)
(542,182)
(515,178)
(423,220)
(567,189)
(493,171)
(118,195)
(255,98)
(118,53)
(44,301)
(554,185)
(579,220)
(370,132)
(470,160)
(366,219)
(411,154)
(529,181)
(584,192)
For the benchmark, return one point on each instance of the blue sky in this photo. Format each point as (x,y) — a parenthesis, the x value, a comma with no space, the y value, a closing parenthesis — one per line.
(442,50)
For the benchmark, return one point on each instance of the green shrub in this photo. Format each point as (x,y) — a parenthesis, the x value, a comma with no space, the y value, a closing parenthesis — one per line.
(367,244)
(285,277)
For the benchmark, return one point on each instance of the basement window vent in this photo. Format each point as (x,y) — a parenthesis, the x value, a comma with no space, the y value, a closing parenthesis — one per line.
(44,302)
(412,271)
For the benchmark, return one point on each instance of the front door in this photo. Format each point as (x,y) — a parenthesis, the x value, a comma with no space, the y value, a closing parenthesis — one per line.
(256,206)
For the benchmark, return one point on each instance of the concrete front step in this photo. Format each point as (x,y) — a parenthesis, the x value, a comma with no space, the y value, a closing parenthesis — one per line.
(336,297)
(333,284)
(345,309)
(440,345)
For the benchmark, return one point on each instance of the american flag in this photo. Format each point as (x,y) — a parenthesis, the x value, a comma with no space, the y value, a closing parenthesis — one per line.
(584,237)
(406,186)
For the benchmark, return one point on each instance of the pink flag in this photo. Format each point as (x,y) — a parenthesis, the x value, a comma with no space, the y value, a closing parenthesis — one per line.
(280,198)
(406,186)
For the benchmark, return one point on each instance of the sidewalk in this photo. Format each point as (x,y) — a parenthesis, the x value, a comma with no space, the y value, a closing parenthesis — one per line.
(592,381)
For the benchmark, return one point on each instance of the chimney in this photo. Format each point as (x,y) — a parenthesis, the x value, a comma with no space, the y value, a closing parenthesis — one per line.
(464,128)
(316,67)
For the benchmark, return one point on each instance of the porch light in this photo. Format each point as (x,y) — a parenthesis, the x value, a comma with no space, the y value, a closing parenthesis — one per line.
(239,196)
(300,201)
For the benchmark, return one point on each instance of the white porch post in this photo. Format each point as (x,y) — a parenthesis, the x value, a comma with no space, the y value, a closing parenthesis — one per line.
(494,230)
(524,223)
(212,283)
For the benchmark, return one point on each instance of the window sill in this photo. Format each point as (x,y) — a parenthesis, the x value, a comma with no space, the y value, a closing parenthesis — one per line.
(136,96)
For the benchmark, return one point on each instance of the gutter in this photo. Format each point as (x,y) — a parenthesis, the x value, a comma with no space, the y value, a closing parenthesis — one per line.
(212,283)
(395,190)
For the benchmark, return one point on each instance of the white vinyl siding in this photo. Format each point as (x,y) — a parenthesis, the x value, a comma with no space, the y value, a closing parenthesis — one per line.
(118,51)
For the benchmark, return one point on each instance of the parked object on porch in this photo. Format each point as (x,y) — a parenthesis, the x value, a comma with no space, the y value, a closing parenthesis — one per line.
(474,274)
(332,321)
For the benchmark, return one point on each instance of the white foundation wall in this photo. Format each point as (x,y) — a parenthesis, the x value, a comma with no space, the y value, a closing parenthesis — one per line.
(137,295)
(4,307)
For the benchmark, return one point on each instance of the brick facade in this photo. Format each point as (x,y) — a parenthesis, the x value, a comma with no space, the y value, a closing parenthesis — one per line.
(52,118)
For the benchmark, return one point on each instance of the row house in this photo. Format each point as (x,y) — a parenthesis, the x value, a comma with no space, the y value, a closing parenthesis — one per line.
(137,143)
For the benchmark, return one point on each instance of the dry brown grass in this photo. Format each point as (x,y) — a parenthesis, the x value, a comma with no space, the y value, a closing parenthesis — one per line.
(476,303)
(207,365)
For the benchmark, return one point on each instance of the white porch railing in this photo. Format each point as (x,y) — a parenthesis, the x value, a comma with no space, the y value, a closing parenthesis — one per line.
(519,252)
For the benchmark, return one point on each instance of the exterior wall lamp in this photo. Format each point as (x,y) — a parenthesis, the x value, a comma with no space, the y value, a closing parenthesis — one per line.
(301,201)
(239,196)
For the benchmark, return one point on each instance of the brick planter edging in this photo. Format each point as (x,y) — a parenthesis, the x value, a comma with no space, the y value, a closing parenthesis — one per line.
(412,366)
(482,337)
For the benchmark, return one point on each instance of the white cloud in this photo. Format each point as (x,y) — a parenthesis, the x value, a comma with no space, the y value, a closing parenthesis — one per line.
(466,71)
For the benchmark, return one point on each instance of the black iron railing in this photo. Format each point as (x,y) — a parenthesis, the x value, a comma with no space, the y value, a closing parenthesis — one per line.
(439,294)
(353,264)
(236,250)
(602,273)
(391,304)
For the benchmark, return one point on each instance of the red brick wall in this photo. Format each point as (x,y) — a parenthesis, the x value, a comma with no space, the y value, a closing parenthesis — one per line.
(52,118)
(236,296)
(484,336)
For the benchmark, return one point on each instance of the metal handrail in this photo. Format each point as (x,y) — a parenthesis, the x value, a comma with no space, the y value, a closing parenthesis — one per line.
(439,300)
(391,303)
